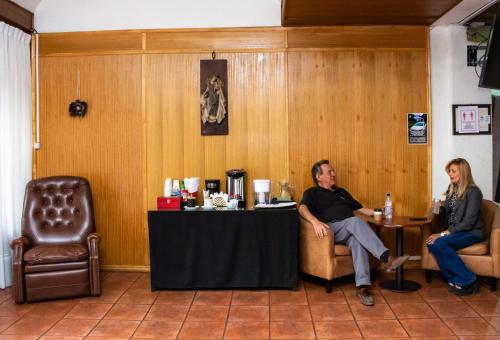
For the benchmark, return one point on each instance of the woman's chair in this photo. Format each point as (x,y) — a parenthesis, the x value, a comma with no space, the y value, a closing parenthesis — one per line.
(482,258)
(322,258)
(57,255)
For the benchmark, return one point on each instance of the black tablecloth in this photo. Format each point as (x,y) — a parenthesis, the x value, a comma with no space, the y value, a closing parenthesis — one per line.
(223,249)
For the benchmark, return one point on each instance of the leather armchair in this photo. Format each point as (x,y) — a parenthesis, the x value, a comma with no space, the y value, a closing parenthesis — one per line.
(322,257)
(57,255)
(482,258)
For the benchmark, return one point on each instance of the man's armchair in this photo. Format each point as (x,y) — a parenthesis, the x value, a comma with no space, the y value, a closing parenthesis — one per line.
(57,255)
(482,258)
(321,257)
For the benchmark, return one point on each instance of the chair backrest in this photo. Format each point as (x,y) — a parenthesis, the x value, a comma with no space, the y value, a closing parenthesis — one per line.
(58,210)
(488,211)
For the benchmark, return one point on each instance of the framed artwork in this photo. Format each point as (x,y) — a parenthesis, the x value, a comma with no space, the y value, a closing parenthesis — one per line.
(471,119)
(417,128)
(214,115)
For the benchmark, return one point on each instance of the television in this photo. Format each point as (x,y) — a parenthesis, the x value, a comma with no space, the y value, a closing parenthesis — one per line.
(490,72)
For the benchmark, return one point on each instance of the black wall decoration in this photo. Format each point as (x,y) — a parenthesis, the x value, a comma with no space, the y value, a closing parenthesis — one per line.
(213,97)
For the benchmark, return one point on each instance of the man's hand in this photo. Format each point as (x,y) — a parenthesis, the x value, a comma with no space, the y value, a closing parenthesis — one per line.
(320,228)
(431,239)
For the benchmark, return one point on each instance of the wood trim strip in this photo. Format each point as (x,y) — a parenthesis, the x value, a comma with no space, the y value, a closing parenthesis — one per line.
(16,16)
(115,268)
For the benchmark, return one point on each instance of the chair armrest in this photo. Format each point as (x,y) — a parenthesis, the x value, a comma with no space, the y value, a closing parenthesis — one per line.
(495,250)
(93,240)
(316,254)
(19,246)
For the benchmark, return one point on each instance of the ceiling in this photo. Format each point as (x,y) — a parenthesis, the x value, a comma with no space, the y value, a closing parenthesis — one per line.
(363,12)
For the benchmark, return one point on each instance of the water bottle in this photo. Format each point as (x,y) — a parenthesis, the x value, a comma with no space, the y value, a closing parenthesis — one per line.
(388,207)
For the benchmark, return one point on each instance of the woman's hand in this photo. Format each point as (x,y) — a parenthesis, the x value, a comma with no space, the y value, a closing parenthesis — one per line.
(431,239)
(320,228)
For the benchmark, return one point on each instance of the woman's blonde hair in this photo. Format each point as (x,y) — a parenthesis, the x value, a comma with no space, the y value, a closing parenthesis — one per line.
(465,179)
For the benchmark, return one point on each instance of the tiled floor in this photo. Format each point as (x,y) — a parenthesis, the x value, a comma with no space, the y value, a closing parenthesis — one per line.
(128,309)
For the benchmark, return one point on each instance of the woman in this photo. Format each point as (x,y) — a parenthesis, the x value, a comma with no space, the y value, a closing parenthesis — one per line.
(464,228)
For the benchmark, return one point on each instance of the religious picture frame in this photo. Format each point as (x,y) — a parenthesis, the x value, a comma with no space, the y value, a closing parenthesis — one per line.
(214,114)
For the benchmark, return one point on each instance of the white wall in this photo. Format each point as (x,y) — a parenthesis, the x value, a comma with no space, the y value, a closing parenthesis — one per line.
(96,15)
(452,82)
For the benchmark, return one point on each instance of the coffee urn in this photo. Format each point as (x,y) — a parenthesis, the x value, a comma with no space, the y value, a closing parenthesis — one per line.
(235,186)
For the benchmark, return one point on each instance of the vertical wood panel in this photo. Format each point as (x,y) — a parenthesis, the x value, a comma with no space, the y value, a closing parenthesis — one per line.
(104,146)
(176,149)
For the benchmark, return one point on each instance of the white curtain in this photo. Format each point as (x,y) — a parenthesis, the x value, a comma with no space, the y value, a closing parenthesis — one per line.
(15,138)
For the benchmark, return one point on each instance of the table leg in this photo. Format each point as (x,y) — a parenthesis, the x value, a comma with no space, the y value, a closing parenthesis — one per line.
(400,284)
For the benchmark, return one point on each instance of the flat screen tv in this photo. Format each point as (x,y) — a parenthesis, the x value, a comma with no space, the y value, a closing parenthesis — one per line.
(490,72)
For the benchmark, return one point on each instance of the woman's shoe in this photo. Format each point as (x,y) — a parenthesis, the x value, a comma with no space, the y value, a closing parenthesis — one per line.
(471,289)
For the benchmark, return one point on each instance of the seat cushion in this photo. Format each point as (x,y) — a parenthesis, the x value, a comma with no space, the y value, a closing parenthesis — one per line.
(341,250)
(56,254)
(481,248)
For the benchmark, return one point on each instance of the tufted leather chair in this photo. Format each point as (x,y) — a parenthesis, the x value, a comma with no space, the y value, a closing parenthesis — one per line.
(482,258)
(57,255)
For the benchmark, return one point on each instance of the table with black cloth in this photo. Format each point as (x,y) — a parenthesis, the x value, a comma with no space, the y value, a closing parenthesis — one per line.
(223,249)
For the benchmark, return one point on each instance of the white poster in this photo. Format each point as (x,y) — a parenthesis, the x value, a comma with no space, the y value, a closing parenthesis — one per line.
(467,119)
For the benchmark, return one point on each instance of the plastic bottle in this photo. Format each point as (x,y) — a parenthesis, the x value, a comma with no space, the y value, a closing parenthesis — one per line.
(388,207)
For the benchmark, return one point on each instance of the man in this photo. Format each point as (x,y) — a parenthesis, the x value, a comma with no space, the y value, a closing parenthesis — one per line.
(329,207)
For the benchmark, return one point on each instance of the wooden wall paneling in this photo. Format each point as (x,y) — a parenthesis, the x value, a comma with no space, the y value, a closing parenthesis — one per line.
(105,146)
(249,39)
(90,43)
(357,37)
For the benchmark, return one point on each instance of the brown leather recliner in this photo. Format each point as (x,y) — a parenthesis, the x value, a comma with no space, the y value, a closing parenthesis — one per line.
(322,258)
(57,255)
(482,258)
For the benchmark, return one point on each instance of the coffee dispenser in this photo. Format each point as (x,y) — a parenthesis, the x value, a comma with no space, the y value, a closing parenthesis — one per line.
(235,186)
(212,185)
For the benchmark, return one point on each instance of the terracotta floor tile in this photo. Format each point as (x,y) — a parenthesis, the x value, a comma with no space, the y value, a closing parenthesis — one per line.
(6,321)
(479,337)
(55,309)
(127,312)
(176,297)
(453,309)
(249,313)
(118,328)
(158,329)
(107,296)
(320,297)
(393,297)
(292,330)
(18,337)
(167,312)
(138,296)
(118,285)
(381,329)
(290,312)
(484,294)
(438,294)
(89,311)
(201,330)
(60,337)
(285,297)
(72,327)
(253,298)
(426,327)
(253,330)
(9,308)
(212,298)
(472,326)
(337,329)
(34,326)
(122,276)
(352,298)
(376,312)
(434,338)
(142,284)
(331,312)
(494,321)
(208,313)
(412,310)
(486,308)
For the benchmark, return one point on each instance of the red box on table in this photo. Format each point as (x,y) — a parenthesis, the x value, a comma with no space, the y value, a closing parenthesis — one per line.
(168,203)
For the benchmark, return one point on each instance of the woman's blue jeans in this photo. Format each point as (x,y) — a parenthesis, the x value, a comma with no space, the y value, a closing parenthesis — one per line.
(452,267)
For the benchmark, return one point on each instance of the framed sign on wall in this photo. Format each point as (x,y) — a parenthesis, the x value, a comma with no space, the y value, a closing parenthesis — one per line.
(471,119)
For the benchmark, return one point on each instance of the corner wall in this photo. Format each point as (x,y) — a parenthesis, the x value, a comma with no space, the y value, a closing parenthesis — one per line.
(452,82)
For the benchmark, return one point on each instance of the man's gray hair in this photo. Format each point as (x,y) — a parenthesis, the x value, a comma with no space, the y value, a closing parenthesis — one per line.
(316,169)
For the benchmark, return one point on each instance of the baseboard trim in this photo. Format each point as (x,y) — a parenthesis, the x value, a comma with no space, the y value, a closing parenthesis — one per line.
(117,268)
